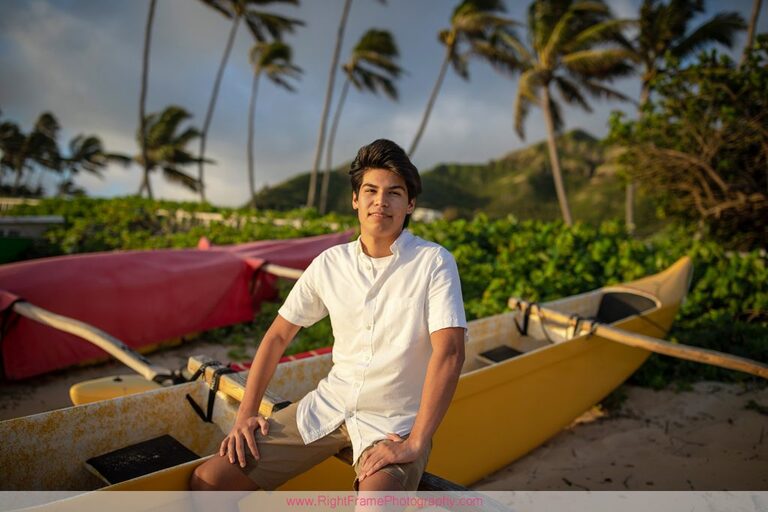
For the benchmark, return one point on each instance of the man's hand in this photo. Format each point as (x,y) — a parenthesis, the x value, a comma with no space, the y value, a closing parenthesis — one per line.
(241,435)
(394,450)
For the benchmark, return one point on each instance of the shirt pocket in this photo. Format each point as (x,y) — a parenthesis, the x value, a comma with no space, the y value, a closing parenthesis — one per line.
(402,320)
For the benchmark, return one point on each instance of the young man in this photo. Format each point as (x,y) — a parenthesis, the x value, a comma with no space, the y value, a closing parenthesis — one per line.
(398,323)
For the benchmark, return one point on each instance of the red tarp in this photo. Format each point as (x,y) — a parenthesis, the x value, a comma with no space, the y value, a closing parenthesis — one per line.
(140,297)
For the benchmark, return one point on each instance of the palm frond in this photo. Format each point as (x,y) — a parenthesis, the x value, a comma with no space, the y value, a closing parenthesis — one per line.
(174,175)
(161,130)
(274,59)
(500,56)
(511,41)
(602,63)
(720,29)
(460,65)
(574,21)
(222,7)
(47,124)
(527,87)
(380,61)
(570,93)
(376,41)
(185,137)
(607,31)
(370,80)
(601,91)
(261,23)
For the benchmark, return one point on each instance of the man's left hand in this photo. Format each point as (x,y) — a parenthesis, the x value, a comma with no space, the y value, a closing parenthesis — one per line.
(394,450)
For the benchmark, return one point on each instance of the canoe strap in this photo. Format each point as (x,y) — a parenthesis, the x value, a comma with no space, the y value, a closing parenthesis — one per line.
(202,368)
(217,373)
(574,323)
(526,310)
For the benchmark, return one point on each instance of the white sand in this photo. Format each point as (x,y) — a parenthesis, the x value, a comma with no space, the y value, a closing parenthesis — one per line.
(704,439)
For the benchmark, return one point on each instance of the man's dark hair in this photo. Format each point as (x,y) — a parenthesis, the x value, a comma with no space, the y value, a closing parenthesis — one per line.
(385,154)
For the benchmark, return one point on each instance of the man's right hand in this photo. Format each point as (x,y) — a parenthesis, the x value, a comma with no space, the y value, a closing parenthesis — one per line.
(242,434)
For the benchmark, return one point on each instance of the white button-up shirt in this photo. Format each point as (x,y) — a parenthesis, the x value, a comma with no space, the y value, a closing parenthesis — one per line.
(381,319)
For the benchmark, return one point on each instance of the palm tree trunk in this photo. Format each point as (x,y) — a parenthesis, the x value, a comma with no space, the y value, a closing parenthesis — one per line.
(212,105)
(327,105)
(553,158)
(146,185)
(431,102)
(144,78)
(17,181)
(251,112)
(629,199)
(329,149)
(751,30)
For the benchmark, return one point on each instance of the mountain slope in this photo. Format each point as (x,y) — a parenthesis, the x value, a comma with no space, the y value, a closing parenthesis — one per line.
(519,183)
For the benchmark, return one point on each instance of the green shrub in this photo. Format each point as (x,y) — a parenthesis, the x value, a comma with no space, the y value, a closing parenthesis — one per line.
(726,308)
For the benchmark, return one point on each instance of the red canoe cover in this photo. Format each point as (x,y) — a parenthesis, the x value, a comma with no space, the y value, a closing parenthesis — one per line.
(140,297)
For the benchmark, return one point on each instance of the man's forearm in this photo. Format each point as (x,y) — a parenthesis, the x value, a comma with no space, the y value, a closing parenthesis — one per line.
(262,369)
(440,382)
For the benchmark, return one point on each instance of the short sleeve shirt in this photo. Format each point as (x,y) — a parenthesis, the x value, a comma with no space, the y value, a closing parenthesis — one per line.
(382,317)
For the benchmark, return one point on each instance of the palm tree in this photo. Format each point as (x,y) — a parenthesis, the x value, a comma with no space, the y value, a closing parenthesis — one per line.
(567,51)
(371,67)
(144,77)
(327,104)
(167,149)
(663,29)
(751,30)
(263,26)
(86,153)
(472,25)
(274,60)
(23,153)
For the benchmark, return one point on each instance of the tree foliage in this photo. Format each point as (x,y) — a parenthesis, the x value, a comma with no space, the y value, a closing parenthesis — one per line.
(167,149)
(701,145)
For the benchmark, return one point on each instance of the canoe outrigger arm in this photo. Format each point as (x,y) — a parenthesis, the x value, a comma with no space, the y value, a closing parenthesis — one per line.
(114,346)
(589,326)
(101,339)
(281,271)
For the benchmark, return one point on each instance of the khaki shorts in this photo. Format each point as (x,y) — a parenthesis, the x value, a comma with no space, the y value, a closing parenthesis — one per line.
(283,454)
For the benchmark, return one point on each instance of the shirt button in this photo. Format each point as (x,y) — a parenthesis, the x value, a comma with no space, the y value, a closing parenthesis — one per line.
(368,327)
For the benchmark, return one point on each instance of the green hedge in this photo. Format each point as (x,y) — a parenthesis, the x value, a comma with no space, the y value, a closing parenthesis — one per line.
(726,309)
(133,223)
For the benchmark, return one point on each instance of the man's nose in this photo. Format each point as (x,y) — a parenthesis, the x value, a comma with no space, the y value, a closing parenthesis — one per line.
(381,199)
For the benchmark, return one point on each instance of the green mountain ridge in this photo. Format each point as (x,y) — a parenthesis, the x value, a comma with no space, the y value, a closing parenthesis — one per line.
(519,183)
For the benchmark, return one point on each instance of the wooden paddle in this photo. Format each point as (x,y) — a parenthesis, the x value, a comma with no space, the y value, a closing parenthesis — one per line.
(699,355)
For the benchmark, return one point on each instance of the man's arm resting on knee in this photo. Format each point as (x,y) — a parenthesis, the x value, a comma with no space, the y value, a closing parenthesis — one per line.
(440,382)
(272,347)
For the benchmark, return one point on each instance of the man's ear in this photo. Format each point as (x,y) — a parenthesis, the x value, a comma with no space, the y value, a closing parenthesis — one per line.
(411,206)
(354,200)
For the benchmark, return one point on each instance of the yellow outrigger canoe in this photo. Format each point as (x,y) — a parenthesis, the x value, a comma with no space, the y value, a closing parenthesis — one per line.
(516,391)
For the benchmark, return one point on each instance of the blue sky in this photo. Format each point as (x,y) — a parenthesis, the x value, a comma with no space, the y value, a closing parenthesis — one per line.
(82,60)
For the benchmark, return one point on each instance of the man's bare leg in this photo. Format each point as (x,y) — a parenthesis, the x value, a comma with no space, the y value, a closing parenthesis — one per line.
(379,482)
(218,474)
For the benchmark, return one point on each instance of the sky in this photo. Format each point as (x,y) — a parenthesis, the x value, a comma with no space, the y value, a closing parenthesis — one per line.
(81,60)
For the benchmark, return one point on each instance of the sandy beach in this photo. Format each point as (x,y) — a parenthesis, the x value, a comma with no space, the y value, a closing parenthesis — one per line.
(703,439)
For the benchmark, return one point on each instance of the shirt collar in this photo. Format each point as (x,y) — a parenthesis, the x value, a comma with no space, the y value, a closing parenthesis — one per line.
(398,245)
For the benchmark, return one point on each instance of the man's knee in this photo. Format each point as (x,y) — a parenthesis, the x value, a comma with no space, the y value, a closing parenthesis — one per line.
(203,479)
(217,474)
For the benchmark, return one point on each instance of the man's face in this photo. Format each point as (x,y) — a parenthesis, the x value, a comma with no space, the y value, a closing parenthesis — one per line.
(382,203)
